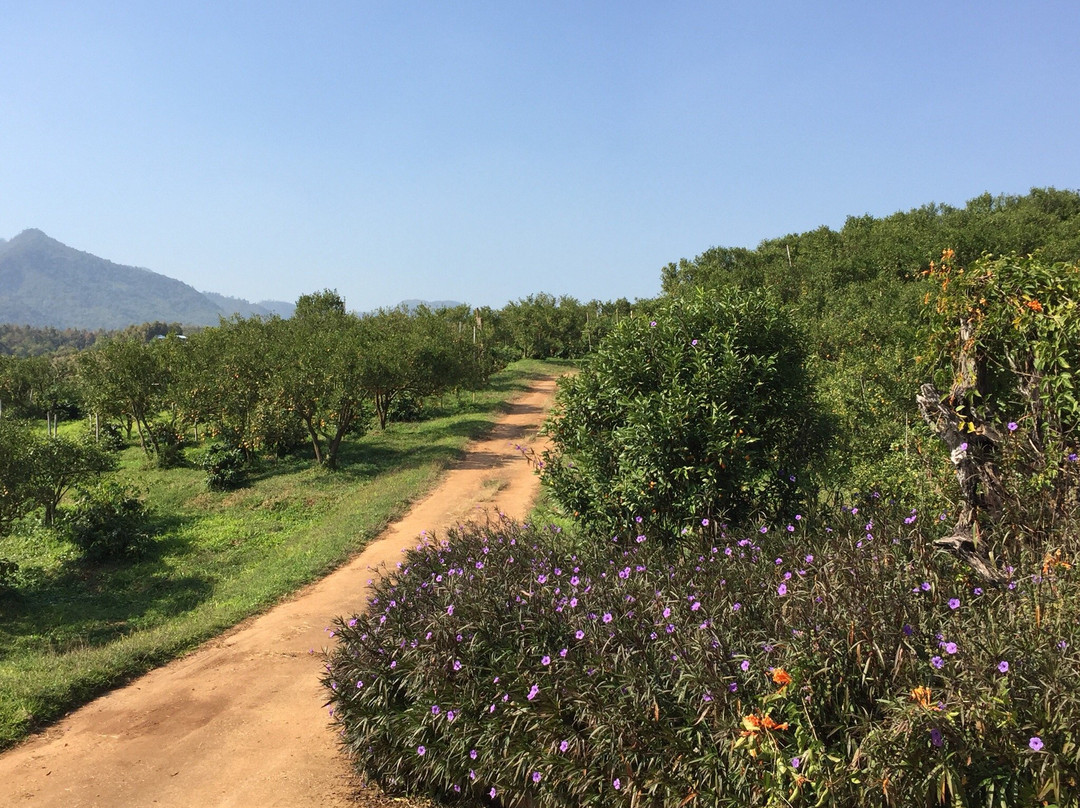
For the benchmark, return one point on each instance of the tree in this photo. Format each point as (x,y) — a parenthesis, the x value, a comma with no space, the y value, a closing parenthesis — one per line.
(15,498)
(705,411)
(421,353)
(317,355)
(36,470)
(1005,403)
(57,464)
(126,376)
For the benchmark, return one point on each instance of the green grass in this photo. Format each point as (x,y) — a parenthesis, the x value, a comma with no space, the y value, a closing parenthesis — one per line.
(70,630)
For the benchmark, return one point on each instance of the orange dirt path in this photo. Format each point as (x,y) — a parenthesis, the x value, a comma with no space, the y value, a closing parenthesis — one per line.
(240,721)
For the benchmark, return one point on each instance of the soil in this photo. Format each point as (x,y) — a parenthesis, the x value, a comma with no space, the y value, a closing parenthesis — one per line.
(241,721)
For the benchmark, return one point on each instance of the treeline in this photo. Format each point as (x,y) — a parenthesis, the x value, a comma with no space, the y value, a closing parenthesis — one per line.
(26,340)
(539,326)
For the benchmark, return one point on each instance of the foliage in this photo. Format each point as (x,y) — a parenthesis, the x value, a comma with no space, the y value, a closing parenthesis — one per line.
(706,411)
(857,292)
(37,470)
(108,521)
(793,666)
(421,353)
(1007,333)
(15,496)
(125,377)
(225,467)
(317,356)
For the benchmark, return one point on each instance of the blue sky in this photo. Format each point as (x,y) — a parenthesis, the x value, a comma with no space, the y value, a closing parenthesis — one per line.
(484,151)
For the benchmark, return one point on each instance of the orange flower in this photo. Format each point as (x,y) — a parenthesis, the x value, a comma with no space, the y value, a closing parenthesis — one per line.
(921,694)
(781,677)
(1034,305)
(947,254)
(755,723)
(768,723)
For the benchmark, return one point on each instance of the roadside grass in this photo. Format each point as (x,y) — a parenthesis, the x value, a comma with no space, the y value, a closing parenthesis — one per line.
(70,630)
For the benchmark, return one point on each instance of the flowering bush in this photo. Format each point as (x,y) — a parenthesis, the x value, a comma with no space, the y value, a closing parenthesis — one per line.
(789,665)
(704,410)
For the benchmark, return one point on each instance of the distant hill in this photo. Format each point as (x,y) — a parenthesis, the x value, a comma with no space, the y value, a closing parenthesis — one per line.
(434,305)
(46,283)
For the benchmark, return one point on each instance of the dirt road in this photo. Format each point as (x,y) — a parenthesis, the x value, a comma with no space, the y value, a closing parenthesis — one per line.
(240,722)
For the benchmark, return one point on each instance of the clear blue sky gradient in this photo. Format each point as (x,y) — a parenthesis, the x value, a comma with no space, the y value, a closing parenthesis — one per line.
(484,151)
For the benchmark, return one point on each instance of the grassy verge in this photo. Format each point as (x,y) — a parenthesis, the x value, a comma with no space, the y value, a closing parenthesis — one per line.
(69,630)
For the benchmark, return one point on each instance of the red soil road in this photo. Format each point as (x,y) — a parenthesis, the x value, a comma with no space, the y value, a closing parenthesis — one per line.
(241,722)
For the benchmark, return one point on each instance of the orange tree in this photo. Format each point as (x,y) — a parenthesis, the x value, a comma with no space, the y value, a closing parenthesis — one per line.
(703,410)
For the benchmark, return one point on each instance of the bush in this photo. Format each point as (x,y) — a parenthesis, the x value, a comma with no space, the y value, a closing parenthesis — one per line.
(8,571)
(170,447)
(225,467)
(792,666)
(704,411)
(109,521)
(406,407)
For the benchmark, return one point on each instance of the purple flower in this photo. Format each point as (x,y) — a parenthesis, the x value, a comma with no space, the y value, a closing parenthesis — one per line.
(450,609)
(536,777)
(937,662)
(492,793)
(1012,426)
(925,586)
(954,603)
(732,687)
(1003,666)
(607,617)
(935,736)
(579,634)
(1035,743)
(796,762)
(652,324)
(533,692)
(908,630)
(434,709)
(420,751)
(457,664)
(360,684)
(781,590)
(545,660)
(950,648)
(563,746)
(745,664)
(704,522)
(617,783)
(472,754)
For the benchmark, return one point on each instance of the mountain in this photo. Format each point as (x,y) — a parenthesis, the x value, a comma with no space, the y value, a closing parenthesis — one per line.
(46,283)
(237,305)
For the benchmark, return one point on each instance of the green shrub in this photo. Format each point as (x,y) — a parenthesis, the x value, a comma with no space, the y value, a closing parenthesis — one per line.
(8,570)
(170,446)
(109,521)
(225,467)
(406,407)
(794,666)
(703,411)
